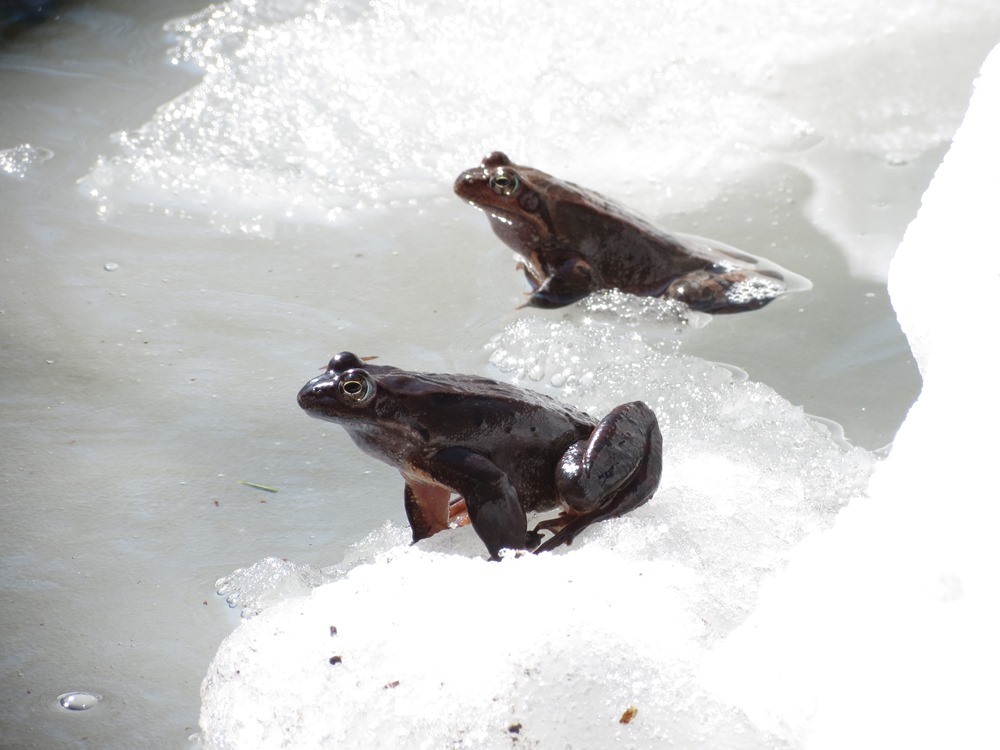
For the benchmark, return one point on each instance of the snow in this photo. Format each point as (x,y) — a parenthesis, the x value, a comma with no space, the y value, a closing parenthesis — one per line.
(878,632)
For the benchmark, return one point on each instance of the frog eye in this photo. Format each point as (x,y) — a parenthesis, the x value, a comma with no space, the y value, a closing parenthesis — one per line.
(356,387)
(504,184)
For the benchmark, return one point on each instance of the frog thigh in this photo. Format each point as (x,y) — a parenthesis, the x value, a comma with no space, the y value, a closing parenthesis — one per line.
(619,465)
(494,509)
(622,473)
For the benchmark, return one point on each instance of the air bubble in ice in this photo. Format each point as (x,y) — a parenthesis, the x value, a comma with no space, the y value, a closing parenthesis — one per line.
(79,700)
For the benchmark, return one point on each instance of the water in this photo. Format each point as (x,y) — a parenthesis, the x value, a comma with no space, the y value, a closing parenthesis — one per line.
(157,324)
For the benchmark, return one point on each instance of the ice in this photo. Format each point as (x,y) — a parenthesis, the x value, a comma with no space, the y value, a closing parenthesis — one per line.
(314,112)
(17,160)
(266,582)
(533,651)
(880,631)
(436,647)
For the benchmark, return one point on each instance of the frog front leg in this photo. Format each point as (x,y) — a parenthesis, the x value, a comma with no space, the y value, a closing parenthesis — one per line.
(608,474)
(568,283)
(490,499)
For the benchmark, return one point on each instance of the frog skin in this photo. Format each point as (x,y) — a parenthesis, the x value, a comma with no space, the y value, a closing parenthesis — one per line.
(504,450)
(575,241)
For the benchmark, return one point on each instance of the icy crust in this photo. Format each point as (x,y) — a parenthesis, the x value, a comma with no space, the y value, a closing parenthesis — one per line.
(266,582)
(436,647)
(308,111)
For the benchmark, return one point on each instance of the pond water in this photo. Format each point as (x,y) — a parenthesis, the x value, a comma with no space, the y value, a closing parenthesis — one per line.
(197,217)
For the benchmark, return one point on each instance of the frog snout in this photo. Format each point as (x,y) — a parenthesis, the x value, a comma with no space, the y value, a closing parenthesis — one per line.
(461,181)
(311,393)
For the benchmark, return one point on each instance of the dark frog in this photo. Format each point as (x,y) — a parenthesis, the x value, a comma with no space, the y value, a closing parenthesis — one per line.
(503,450)
(575,241)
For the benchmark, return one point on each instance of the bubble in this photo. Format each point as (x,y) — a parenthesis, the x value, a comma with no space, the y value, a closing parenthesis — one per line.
(110,266)
(612,307)
(79,700)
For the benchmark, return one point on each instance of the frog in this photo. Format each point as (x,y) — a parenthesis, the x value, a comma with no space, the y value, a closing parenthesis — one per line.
(574,241)
(475,450)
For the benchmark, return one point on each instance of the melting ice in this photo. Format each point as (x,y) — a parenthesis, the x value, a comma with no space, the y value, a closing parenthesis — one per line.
(313,112)
(878,633)
(436,647)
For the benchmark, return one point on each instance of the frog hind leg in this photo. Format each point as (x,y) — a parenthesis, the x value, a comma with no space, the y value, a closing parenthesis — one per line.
(569,283)
(490,500)
(610,473)
(709,292)
(568,525)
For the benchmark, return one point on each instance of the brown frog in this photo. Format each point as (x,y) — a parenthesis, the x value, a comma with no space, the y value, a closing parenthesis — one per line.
(504,450)
(575,241)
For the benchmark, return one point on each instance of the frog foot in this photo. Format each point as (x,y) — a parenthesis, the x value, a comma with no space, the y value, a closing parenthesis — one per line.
(710,292)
